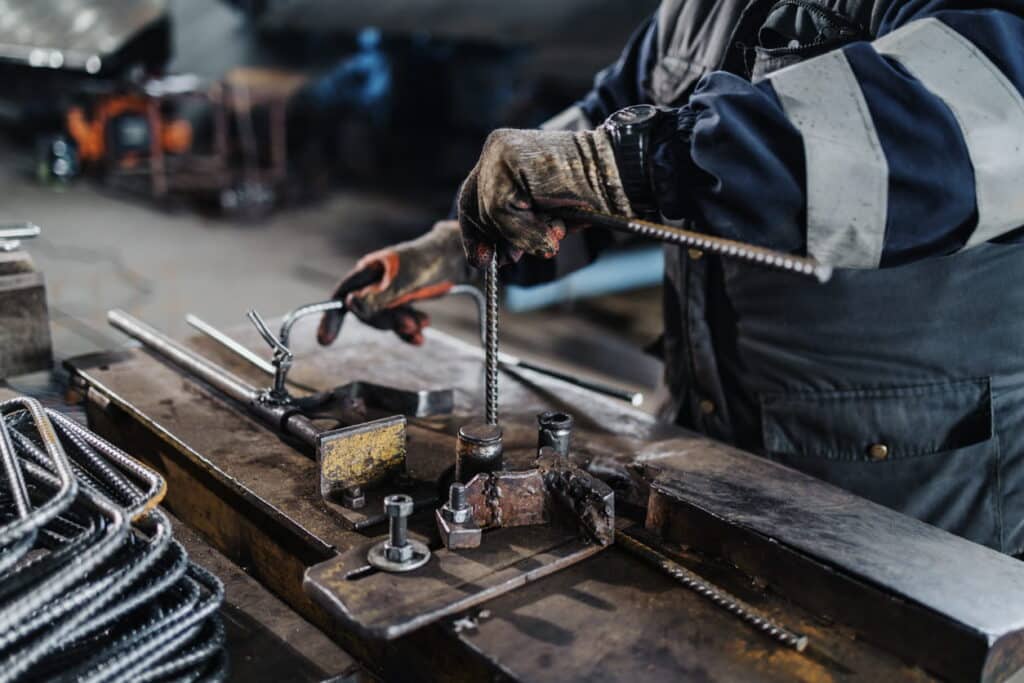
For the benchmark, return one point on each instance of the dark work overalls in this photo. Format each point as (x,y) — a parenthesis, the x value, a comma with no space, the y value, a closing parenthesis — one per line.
(904,385)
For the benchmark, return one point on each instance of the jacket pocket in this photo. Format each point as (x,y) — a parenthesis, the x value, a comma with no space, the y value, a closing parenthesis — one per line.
(929,451)
(795,30)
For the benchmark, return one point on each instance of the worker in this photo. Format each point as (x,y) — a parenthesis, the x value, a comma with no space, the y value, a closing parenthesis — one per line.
(882,137)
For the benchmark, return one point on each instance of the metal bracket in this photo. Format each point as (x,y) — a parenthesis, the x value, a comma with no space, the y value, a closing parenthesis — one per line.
(555,490)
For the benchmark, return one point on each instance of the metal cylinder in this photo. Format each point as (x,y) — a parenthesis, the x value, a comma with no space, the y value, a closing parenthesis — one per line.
(554,430)
(479,449)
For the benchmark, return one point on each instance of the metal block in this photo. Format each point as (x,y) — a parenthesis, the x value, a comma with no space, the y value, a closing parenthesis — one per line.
(361,455)
(24,318)
(457,535)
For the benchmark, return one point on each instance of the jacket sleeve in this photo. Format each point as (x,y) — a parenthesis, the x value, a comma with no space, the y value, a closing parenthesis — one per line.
(873,155)
(620,85)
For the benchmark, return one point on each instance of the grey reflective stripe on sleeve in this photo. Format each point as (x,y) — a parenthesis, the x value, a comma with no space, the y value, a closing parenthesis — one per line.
(847,173)
(989,109)
(572,118)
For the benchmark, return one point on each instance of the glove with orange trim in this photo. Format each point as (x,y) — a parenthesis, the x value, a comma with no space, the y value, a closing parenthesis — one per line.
(424,268)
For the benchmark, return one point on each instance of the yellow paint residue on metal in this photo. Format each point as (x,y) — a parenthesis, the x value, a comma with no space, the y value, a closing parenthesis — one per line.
(362,456)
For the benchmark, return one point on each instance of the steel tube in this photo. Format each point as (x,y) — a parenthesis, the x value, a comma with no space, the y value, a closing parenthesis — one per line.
(188,360)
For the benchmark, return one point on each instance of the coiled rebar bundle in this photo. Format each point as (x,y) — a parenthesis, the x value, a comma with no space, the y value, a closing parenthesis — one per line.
(93,586)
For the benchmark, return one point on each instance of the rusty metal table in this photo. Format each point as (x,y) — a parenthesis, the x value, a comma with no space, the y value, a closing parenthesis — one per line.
(611,618)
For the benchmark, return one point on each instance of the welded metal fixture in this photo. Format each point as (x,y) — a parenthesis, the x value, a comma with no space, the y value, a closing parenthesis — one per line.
(724,599)
(358,456)
(742,251)
(398,553)
(554,430)
(416,403)
(93,585)
(455,523)
(554,491)
(507,361)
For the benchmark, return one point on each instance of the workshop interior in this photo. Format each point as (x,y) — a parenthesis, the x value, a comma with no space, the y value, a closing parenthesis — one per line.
(467,340)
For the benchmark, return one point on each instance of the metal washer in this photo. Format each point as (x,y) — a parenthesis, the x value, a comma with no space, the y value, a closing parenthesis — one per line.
(420,556)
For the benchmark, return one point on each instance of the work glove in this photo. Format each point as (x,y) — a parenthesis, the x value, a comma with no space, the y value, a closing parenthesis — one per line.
(523,175)
(380,289)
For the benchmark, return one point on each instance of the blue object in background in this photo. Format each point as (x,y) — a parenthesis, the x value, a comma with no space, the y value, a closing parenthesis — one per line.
(612,272)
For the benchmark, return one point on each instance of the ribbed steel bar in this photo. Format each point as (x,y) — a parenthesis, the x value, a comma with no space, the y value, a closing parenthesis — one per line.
(491,341)
(743,251)
(508,361)
(81,607)
(719,596)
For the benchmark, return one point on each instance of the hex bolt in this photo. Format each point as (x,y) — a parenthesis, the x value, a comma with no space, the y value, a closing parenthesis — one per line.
(457,508)
(398,553)
(554,430)
(398,508)
(458,497)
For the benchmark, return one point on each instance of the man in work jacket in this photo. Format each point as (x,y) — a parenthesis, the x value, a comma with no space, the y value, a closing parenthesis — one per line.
(882,137)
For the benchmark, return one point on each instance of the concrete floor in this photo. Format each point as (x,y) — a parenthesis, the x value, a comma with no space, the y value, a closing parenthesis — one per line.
(103,250)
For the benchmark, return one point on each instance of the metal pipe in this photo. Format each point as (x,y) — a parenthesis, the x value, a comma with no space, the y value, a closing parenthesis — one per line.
(188,360)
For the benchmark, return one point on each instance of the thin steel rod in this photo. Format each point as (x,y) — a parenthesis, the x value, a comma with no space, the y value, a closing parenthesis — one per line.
(230,344)
(491,340)
(719,596)
(716,245)
(507,360)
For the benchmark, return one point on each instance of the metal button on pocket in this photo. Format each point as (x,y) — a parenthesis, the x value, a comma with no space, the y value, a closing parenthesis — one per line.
(878,451)
(707,407)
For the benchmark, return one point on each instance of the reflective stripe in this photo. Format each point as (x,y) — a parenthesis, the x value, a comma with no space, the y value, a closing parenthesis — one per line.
(989,109)
(847,173)
(572,118)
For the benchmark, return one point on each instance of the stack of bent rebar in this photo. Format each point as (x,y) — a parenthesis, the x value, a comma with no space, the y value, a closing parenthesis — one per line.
(93,586)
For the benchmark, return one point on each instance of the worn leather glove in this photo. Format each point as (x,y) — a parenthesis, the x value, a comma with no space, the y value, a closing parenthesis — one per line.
(424,268)
(522,173)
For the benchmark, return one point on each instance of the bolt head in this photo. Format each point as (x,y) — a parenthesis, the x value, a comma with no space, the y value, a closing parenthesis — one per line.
(398,505)
(402,553)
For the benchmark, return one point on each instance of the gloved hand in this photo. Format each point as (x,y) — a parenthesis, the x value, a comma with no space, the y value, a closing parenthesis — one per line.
(424,268)
(522,173)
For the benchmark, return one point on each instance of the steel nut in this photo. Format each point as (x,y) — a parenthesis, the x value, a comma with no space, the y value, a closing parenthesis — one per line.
(353,498)
(399,505)
(457,516)
(457,536)
(398,553)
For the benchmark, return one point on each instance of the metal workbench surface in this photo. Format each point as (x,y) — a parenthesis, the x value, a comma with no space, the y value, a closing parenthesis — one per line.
(610,618)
